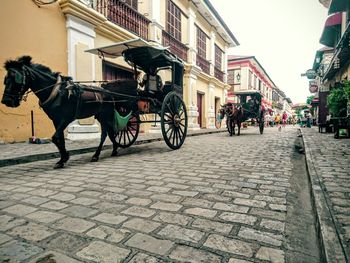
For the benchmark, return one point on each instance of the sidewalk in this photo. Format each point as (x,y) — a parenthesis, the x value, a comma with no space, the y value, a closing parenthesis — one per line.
(24,152)
(328,162)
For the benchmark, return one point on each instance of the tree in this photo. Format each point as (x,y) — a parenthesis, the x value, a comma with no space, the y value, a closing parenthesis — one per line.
(337,100)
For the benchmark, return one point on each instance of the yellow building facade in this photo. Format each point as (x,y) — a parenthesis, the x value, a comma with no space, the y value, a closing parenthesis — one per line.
(58,34)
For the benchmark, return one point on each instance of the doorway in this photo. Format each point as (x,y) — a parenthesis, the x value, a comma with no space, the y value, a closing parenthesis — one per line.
(200,109)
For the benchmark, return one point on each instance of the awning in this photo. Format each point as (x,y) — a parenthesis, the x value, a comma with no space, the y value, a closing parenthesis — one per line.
(332,30)
(339,6)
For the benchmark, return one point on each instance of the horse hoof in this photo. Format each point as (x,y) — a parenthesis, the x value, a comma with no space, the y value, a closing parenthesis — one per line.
(94,159)
(58,165)
(114,154)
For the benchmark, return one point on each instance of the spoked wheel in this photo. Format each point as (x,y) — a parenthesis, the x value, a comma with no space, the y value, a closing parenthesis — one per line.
(126,137)
(173,120)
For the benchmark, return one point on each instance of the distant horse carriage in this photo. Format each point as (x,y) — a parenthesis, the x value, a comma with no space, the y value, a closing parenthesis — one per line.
(117,105)
(249,107)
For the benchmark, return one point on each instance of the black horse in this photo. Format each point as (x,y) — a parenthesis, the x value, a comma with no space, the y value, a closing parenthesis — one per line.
(61,99)
(234,116)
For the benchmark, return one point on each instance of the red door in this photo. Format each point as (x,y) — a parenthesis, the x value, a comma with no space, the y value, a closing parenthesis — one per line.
(200,108)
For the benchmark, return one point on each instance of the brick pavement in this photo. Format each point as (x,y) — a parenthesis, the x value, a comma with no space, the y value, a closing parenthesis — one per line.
(329,168)
(217,199)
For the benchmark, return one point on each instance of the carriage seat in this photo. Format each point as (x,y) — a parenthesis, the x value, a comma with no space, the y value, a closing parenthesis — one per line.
(127,87)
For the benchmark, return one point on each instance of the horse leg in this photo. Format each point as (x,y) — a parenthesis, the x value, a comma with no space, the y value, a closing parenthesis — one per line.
(233,127)
(239,128)
(99,148)
(111,135)
(58,140)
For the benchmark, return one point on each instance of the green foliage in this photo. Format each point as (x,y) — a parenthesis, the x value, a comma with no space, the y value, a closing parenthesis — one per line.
(337,101)
(309,99)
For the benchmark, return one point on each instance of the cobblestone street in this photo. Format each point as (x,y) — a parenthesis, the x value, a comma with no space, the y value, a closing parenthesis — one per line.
(217,199)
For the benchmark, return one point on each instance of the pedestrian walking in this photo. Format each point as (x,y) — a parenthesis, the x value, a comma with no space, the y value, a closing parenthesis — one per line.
(284,119)
(278,121)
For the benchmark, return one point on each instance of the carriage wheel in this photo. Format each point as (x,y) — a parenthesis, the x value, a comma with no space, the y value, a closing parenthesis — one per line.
(173,120)
(126,137)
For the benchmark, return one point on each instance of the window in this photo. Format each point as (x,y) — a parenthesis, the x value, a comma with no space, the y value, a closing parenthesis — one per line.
(250,79)
(218,57)
(201,43)
(173,25)
(132,3)
(259,85)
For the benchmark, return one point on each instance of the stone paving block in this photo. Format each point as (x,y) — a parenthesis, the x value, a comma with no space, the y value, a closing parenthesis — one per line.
(84,201)
(144,258)
(90,193)
(17,251)
(166,197)
(42,192)
(249,202)
(209,225)
(108,233)
(271,199)
(4,238)
(138,201)
(72,224)
(216,197)
(113,197)
(67,242)
(166,206)
(108,207)
(201,212)
(4,204)
(63,196)
(20,210)
(281,216)
(238,218)
(261,236)
(193,255)
(8,222)
(110,218)
(35,200)
(236,260)
(231,207)
(197,202)
(54,205)
(53,257)
(45,216)
(186,193)
(273,225)
(158,189)
(150,244)
(31,232)
(235,194)
(99,251)
(79,211)
(174,231)
(23,189)
(141,225)
(71,189)
(229,245)
(139,211)
(172,218)
(275,207)
(271,254)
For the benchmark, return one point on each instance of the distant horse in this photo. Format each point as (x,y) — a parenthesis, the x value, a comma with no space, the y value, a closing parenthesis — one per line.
(237,118)
(61,99)
(234,115)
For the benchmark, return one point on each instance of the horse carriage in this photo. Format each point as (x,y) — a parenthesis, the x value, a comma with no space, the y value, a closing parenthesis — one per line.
(249,108)
(117,105)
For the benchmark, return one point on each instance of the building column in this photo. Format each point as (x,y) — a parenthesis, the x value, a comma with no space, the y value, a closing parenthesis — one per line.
(155,32)
(212,52)
(211,107)
(192,109)
(192,44)
(81,66)
(225,60)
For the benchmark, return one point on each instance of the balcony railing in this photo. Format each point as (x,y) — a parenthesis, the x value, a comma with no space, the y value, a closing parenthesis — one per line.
(176,46)
(123,15)
(203,64)
(218,74)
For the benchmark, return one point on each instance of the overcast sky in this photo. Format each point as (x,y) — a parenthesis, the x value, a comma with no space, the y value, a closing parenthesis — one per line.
(283,35)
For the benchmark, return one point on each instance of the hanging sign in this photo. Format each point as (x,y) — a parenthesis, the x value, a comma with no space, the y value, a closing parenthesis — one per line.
(313,87)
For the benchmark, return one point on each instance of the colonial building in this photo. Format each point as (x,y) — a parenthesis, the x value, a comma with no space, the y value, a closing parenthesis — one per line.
(58,34)
(246,73)
(331,63)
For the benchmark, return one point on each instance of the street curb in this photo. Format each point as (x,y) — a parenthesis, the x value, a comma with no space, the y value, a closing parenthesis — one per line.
(52,155)
(331,247)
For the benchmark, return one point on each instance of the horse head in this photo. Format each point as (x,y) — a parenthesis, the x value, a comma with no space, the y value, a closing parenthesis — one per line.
(16,83)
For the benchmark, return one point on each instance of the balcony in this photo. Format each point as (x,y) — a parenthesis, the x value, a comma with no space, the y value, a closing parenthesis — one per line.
(218,74)
(203,64)
(176,46)
(123,15)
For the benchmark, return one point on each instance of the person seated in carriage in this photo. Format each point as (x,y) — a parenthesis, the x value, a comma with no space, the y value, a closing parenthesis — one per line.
(151,81)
